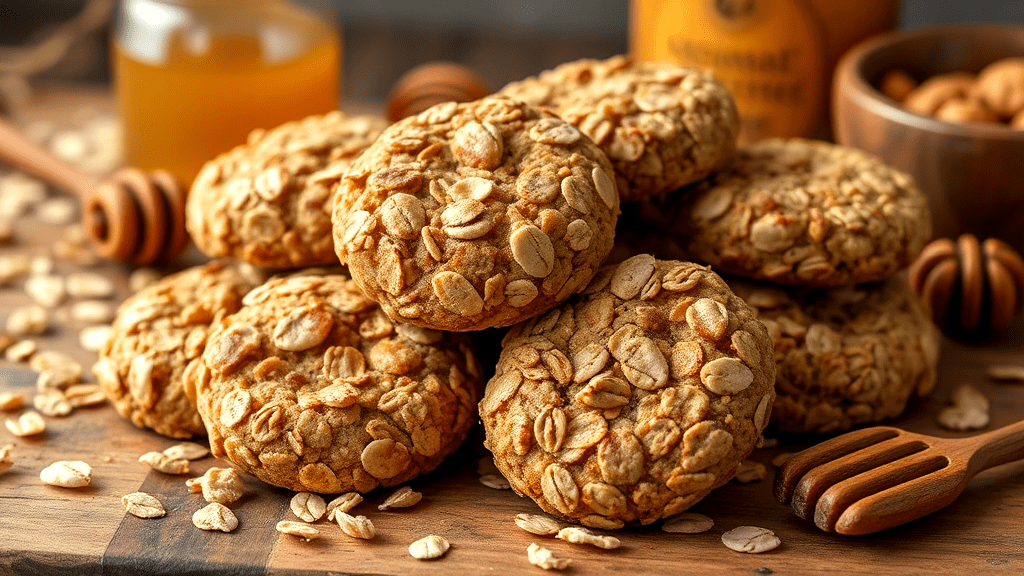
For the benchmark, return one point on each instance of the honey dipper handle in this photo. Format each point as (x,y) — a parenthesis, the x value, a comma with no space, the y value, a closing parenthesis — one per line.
(25,155)
(997,447)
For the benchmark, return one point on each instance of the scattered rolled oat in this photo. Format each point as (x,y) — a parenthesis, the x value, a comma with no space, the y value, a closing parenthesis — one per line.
(343,503)
(221,485)
(67,474)
(94,338)
(355,526)
(187,451)
(142,277)
(6,341)
(308,506)
(89,285)
(92,312)
(143,505)
(52,402)
(81,395)
(496,481)
(537,524)
(66,370)
(20,351)
(968,412)
(300,529)
(687,523)
(404,497)
(5,458)
(12,400)
(781,459)
(12,267)
(57,211)
(429,547)
(577,535)
(28,321)
(163,463)
(546,559)
(45,289)
(28,424)
(215,516)
(750,471)
(42,264)
(751,539)
(6,230)
(1005,372)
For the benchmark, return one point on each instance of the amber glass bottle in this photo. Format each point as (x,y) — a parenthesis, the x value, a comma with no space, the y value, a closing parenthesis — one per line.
(194,77)
(775,56)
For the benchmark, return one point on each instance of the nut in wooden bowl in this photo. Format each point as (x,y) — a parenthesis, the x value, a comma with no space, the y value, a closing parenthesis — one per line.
(971,288)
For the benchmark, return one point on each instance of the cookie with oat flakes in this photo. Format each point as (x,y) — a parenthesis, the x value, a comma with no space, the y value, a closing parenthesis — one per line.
(663,125)
(312,388)
(800,212)
(846,356)
(475,215)
(157,333)
(268,202)
(633,400)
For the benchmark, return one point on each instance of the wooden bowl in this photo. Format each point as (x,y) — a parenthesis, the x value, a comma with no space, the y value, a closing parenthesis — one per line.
(972,173)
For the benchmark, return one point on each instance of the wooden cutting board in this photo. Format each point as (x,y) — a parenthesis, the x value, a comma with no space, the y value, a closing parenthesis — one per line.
(48,530)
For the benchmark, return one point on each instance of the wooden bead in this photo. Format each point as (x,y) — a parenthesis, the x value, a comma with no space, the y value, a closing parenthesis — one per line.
(970,288)
(433,83)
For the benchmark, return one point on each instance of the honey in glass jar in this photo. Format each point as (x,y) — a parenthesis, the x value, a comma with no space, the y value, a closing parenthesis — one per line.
(193,77)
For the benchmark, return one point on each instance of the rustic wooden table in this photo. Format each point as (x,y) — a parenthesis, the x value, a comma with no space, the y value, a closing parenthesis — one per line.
(48,530)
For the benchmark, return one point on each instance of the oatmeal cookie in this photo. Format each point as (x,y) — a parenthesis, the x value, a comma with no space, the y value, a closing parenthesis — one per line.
(663,125)
(160,330)
(800,212)
(633,400)
(312,388)
(475,215)
(268,202)
(845,356)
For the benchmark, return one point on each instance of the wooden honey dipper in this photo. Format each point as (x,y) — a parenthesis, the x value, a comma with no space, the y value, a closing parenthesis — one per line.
(130,215)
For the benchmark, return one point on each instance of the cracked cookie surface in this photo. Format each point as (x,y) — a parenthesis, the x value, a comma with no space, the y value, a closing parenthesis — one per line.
(846,356)
(800,212)
(268,202)
(157,333)
(475,215)
(312,388)
(662,125)
(633,400)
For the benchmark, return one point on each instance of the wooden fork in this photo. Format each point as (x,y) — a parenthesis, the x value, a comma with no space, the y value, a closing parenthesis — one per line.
(876,478)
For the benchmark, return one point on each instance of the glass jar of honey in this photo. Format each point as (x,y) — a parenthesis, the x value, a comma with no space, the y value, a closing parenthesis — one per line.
(192,78)
(776,57)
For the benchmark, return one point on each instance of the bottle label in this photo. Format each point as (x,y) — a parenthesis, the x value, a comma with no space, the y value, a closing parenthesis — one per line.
(770,54)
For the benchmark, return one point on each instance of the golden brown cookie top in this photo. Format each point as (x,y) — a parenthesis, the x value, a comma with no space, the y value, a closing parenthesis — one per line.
(634,399)
(311,387)
(662,125)
(800,212)
(846,356)
(160,330)
(475,215)
(268,202)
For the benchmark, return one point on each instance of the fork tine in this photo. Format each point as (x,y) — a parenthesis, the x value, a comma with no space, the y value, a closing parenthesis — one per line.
(817,480)
(899,504)
(796,467)
(844,494)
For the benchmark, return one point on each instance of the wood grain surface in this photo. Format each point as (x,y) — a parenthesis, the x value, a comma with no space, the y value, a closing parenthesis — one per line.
(48,530)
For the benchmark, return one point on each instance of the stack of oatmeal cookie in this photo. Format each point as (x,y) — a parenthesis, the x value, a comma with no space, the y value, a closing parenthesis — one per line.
(819,234)
(623,393)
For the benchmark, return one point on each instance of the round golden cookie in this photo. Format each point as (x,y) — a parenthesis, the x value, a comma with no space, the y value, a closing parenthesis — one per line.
(475,215)
(663,125)
(268,202)
(845,356)
(157,333)
(800,212)
(633,400)
(312,388)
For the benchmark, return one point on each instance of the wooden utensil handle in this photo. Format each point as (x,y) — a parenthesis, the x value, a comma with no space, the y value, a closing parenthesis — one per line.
(25,155)
(999,446)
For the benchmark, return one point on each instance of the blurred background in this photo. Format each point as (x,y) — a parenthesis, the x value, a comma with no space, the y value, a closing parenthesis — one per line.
(503,40)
